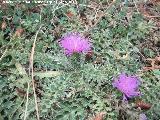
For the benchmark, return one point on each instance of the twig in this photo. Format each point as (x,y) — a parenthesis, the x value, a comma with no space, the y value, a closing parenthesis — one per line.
(32,74)
(152,16)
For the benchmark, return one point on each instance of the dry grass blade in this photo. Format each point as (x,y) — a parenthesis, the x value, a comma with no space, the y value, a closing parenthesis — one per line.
(32,74)
(26,106)
(4,54)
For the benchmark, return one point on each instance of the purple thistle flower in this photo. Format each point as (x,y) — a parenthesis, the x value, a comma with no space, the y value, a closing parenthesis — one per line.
(75,43)
(128,85)
(142,116)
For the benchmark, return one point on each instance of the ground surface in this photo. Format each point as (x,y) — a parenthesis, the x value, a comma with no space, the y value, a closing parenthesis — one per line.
(125,36)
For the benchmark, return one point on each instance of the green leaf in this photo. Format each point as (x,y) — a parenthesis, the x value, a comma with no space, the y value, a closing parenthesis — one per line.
(47,74)
(20,69)
(156,72)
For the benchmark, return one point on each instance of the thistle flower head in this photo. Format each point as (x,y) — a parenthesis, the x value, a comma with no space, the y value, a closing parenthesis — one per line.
(128,85)
(75,43)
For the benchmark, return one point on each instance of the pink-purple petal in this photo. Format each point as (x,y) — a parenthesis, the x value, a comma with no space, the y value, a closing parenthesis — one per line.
(128,85)
(75,43)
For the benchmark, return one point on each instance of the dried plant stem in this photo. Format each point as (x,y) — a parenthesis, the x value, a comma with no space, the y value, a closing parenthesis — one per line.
(25,113)
(32,73)
(3,55)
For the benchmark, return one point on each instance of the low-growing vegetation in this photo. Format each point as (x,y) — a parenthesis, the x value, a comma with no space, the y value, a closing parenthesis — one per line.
(80,60)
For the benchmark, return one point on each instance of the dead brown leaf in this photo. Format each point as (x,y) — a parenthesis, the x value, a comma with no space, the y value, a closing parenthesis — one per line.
(154,62)
(143,105)
(99,116)
(18,32)
(4,25)
(22,93)
(69,14)
(89,55)
(98,60)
